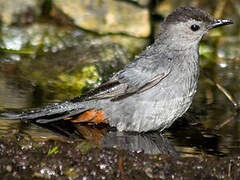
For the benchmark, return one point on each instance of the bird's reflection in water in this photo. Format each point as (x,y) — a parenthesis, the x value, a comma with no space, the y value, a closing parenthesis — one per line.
(149,143)
(103,136)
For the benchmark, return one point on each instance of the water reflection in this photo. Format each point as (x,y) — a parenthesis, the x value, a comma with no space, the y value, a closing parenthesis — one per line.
(103,136)
(149,143)
(195,139)
(14,93)
(184,138)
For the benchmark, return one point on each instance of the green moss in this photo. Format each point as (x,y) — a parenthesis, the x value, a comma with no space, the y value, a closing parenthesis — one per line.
(53,150)
(73,84)
(85,146)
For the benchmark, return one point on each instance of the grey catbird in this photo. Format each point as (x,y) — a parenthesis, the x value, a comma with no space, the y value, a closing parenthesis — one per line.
(152,91)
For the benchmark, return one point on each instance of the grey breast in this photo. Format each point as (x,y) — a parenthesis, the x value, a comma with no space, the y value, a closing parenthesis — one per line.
(158,107)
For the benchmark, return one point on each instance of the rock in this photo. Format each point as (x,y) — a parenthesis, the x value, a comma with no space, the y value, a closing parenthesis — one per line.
(132,44)
(107,16)
(70,72)
(37,38)
(15,11)
(59,63)
(41,38)
(66,73)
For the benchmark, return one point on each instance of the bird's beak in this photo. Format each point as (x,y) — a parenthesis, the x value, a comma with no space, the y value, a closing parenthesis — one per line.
(220,22)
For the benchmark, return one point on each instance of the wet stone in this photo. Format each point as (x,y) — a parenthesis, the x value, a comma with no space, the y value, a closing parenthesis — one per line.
(63,59)
(36,38)
(75,69)
(107,16)
(41,38)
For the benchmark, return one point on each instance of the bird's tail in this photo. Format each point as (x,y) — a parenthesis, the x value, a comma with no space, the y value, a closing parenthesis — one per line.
(48,114)
(9,115)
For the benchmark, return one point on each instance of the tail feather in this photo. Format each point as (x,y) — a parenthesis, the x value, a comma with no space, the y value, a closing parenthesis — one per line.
(48,114)
(10,115)
(57,117)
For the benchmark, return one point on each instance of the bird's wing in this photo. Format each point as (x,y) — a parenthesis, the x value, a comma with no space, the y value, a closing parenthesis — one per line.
(140,75)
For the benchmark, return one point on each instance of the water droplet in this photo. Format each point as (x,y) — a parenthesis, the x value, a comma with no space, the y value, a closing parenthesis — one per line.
(102,166)
(223,64)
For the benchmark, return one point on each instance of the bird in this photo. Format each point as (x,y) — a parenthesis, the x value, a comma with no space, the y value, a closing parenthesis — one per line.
(152,91)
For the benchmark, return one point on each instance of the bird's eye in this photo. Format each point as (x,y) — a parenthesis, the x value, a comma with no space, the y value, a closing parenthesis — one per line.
(195,27)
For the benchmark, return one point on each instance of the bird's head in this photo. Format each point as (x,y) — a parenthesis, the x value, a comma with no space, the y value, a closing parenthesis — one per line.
(187,25)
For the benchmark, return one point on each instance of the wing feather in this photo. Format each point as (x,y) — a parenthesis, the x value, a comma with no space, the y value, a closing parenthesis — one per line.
(140,75)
